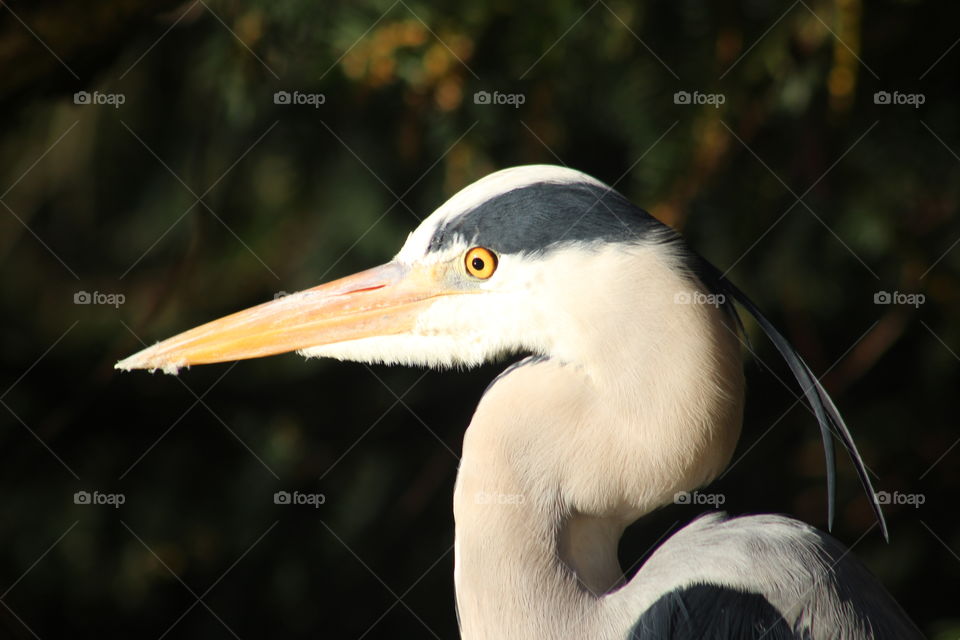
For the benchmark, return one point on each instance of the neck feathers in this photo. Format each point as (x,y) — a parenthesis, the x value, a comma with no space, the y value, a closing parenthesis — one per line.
(640,398)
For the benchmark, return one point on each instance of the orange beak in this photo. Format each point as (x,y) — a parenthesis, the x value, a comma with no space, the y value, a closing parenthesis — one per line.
(382,301)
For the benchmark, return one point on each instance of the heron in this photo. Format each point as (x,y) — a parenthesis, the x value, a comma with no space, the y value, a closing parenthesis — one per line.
(630,390)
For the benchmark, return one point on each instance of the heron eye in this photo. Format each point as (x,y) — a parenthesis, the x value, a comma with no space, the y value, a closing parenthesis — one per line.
(481,263)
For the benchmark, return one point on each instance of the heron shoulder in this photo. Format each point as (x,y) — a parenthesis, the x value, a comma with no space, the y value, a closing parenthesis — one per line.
(778,574)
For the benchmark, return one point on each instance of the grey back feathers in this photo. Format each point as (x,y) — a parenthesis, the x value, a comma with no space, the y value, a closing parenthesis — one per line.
(781,579)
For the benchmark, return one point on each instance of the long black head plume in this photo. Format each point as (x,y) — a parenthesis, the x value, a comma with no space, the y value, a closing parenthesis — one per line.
(828,417)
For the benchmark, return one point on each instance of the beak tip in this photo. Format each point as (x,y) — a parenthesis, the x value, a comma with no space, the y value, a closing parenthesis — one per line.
(148,360)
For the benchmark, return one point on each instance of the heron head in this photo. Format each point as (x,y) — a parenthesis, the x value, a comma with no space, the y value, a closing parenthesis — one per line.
(524,260)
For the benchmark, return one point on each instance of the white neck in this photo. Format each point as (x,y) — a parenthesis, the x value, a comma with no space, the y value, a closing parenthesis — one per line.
(562,455)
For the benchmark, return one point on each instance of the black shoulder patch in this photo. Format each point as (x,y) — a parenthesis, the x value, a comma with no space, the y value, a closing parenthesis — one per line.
(712,612)
(534,217)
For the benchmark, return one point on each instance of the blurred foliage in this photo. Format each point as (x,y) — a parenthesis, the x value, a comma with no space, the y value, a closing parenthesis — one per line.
(200,195)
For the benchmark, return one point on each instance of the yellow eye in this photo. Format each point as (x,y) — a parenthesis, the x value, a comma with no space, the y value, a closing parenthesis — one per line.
(480,262)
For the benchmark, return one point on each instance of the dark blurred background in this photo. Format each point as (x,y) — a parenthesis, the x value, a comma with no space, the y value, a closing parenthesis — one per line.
(811,147)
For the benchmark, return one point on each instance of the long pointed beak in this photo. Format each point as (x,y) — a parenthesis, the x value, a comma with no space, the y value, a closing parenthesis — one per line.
(381,301)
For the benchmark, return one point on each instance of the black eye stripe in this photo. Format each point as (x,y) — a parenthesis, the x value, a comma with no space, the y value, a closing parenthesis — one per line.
(539,216)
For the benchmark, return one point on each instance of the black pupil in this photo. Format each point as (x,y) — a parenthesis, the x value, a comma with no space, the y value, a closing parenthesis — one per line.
(477,264)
